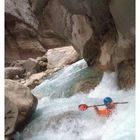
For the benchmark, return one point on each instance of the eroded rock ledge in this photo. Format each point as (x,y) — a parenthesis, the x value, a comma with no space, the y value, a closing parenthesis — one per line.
(90,26)
(101,31)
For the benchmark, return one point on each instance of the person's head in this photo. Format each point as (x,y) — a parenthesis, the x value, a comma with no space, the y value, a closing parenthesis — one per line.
(108,102)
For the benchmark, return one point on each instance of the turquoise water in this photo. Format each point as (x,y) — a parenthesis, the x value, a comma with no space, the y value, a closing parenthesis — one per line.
(63,83)
(58,117)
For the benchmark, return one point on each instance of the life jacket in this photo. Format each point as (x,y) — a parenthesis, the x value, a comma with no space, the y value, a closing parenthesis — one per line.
(106,112)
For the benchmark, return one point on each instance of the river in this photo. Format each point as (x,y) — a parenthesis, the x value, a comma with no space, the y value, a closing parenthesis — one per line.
(58,118)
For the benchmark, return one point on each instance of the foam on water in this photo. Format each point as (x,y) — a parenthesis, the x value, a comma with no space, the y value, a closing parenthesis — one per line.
(60,118)
(54,85)
(63,83)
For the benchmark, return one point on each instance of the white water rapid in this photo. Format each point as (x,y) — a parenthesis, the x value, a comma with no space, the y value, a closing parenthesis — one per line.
(58,118)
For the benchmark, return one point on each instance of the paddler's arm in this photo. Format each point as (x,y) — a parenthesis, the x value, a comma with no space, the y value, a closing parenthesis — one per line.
(102,112)
(96,109)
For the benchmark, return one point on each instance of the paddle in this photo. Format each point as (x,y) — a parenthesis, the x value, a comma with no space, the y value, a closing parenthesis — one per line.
(84,107)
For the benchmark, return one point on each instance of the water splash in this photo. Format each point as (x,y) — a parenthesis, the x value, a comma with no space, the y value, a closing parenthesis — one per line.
(60,118)
(63,83)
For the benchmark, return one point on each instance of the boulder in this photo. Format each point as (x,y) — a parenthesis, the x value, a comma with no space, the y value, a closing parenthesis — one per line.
(60,57)
(30,66)
(14,72)
(21,98)
(42,63)
(11,115)
(86,85)
(34,80)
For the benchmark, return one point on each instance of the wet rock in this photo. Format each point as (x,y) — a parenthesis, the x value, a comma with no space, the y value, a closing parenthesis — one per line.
(126,74)
(53,122)
(123,57)
(86,85)
(124,50)
(23,100)
(56,120)
(124,62)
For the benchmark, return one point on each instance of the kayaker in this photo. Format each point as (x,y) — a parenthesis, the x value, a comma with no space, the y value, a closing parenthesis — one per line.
(107,111)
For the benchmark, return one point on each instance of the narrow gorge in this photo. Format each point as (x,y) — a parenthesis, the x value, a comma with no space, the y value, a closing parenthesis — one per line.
(62,53)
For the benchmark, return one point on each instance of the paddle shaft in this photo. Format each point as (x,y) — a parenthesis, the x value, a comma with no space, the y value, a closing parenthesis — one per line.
(114,103)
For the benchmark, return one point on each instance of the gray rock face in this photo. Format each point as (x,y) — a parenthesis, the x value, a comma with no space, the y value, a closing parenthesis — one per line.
(98,13)
(123,12)
(124,62)
(21,43)
(21,37)
(92,27)
(13,72)
(126,74)
(87,25)
(123,57)
(106,48)
(21,10)
(30,66)
(21,102)
(25,68)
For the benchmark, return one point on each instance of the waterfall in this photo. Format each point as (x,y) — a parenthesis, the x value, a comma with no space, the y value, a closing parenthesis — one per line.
(58,118)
